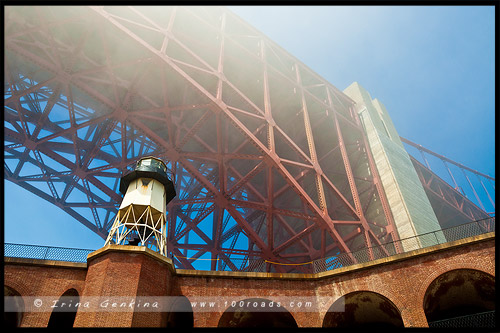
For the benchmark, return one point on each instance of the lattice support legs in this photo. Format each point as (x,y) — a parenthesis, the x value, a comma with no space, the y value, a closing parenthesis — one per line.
(143,223)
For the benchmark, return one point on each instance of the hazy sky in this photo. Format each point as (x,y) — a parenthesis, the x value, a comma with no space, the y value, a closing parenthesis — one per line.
(431,66)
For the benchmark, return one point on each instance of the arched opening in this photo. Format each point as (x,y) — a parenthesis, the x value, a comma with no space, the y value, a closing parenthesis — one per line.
(363,309)
(256,312)
(14,307)
(180,314)
(64,313)
(461,298)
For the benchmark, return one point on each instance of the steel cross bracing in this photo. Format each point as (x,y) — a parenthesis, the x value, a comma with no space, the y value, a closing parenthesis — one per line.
(269,160)
(449,200)
(450,206)
(479,192)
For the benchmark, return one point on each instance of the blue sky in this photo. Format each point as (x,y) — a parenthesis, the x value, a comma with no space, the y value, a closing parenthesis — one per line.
(431,66)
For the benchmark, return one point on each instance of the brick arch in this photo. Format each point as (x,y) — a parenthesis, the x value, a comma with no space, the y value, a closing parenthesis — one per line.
(286,316)
(179,313)
(18,285)
(12,291)
(385,294)
(65,319)
(71,285)
(390,307)
(212,319)
(24,287)
(422,289)
(14,318)
(66,290)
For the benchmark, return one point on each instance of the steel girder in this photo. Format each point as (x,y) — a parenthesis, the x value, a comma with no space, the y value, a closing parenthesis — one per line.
(450,206)
(269,160)
(457,198)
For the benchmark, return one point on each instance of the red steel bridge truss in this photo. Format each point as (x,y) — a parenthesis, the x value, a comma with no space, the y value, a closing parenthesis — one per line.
(464,197)
(269,160)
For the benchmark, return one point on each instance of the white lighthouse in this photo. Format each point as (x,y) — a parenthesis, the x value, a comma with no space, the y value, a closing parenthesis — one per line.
(141,218)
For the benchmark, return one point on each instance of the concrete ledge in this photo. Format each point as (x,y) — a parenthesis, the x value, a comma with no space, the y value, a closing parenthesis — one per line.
(245,275)
(131,249)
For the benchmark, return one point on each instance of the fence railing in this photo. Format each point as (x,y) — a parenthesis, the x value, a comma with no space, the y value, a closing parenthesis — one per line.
(477,320)
(405,245)
(260,265)
(46,252)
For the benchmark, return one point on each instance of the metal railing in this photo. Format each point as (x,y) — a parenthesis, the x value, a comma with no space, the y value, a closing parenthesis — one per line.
(46,252)
(477,320)
(319,265)
(405,245)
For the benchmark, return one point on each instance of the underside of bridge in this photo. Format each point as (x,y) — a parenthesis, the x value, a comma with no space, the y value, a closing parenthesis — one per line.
(270,161)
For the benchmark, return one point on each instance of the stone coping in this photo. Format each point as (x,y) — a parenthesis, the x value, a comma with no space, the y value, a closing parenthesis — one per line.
(252,275)
(131,249)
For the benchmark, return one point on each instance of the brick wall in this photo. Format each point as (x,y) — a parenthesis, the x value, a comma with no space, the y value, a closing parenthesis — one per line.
(130,271)
(43,279)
